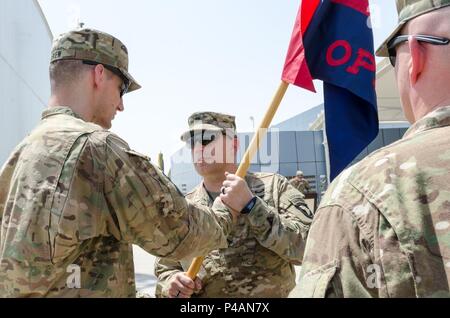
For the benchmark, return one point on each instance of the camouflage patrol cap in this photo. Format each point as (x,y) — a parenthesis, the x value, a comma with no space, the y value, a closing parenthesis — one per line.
(210,121)
(299,173)
(94,46)
(408,10)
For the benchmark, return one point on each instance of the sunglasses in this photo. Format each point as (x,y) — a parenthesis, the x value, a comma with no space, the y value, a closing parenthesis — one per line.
(204,138)
(125,82)
(434,40)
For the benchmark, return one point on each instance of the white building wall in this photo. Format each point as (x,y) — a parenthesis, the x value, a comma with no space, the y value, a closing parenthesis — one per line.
(25,44)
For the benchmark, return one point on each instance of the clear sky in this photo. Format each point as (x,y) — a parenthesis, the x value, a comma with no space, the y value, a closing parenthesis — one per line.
(197,55)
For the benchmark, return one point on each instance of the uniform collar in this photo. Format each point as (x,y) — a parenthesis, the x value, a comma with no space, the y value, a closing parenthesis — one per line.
(438,118)
(201,195)
(59,110)
(208,193)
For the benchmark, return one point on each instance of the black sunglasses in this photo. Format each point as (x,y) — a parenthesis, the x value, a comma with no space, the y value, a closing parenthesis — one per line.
(203,137)
(125,82)
(435,40)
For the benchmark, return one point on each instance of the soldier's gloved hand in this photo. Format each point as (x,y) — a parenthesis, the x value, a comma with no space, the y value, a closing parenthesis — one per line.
(181,286)
(235,192)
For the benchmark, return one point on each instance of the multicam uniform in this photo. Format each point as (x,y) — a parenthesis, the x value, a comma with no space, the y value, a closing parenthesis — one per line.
(301,185)
(262,249)
(383,228)
(74,194)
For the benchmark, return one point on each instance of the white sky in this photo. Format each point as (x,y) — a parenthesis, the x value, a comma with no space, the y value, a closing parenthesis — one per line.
(197,55)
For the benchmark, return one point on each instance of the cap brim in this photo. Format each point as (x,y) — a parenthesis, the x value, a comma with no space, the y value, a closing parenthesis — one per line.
(134,85)
(208,127)
(382,51)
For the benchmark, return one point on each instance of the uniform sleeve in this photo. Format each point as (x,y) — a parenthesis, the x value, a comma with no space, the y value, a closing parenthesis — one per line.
(164,270)
(6,173)
(148,210)
(2,205)
(337,260)
(307,186)
(282,229)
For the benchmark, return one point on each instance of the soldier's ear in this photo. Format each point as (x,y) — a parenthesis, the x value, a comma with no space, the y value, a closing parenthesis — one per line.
(100,75)
(417,61)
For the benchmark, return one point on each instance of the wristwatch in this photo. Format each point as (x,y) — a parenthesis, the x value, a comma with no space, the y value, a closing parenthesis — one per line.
(248,208)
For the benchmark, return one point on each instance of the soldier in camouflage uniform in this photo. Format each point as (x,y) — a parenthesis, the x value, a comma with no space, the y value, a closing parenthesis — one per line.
(300,183)
(74,197)
(264,244)
(383,227)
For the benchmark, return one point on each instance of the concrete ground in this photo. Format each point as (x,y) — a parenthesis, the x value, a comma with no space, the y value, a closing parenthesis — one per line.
(144,268)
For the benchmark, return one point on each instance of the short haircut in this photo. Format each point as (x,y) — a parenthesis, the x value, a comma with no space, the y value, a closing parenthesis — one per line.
(66,72)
